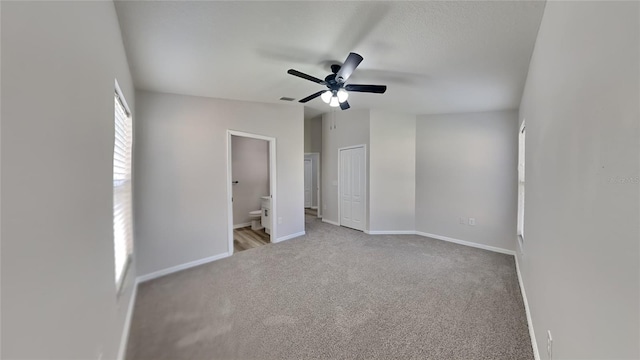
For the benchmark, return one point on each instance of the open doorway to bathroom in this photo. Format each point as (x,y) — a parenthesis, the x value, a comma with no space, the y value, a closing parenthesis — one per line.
(251,169)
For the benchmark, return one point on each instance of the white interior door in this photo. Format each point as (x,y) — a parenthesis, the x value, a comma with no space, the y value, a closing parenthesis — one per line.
(352,188)
(308,183)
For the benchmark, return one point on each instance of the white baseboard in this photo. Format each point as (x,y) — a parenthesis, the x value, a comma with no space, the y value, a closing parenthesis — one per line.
(390,232)
(467,243)
(532,333)
(238,226)
(167,271)
(288,237)
(330,222)
(124,338)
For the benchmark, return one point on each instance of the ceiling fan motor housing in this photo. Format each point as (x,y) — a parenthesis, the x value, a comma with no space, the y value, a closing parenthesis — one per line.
(332,83)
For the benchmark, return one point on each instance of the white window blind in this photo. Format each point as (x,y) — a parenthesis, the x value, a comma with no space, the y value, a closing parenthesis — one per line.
(521,157)
(122,208)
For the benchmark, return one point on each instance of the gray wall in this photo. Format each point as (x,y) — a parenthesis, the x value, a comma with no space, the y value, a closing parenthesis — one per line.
(466,166)
(313,135)
(392,171)
(181,196)
(59,62)
(250,167)
(581,248)
(340,129)
(307,135)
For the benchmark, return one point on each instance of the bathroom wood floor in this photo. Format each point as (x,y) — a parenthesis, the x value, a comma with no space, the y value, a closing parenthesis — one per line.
(245,238)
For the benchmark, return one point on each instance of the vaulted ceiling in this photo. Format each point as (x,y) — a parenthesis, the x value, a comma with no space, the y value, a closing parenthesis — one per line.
(435,57)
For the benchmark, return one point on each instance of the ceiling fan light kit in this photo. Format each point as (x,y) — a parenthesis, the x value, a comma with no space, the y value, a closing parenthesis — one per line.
(326,96)
(337,94)
(342,95)
(334,98)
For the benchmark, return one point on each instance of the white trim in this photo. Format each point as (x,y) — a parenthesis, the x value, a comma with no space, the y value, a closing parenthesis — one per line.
(390,232)
(314,208)
(319,184)
(173,269)
(272,184)
(521,244)
(124,338)
(288,237)
(330,222)
(467,243)
(238,226)
(532,333)
(366,189)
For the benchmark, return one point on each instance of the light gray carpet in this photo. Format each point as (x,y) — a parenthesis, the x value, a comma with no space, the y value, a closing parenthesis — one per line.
(337,293)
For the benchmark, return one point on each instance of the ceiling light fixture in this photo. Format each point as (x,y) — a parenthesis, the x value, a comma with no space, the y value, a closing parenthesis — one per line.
(343,95)
(334,101)
(326,96)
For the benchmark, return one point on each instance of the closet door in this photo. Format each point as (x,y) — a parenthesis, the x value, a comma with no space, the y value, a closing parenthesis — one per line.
(352,188)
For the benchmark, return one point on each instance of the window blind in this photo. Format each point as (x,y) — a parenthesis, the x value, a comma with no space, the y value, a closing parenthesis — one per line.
(122,204)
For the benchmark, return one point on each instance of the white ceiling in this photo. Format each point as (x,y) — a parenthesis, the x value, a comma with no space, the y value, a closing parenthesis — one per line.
(435,57)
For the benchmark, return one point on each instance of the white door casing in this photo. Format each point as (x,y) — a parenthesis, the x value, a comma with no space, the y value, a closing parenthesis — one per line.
(272,185)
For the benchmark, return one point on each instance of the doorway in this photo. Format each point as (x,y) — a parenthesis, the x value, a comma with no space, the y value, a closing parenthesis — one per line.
(251,190)
(312,196)
(352,187)
(308,183)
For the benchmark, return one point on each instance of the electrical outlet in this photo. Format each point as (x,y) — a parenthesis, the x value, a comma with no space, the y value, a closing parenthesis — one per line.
(279,220)
(462,221)
(472,221)
(549,345)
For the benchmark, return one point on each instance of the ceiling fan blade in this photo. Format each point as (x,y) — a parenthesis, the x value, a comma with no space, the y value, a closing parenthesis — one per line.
(305,76)
(377,89)
(344,105)
(352,62)
(312,96)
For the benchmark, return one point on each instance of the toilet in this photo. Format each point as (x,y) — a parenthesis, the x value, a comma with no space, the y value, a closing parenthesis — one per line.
(256,219)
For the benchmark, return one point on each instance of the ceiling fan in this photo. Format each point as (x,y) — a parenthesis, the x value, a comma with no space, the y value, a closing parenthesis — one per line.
(337,92)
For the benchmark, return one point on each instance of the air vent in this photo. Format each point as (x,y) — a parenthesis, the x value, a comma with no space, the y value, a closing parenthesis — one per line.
(284,98)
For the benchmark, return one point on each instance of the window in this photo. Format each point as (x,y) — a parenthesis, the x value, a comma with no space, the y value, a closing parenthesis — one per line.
(122,214)
(521,139)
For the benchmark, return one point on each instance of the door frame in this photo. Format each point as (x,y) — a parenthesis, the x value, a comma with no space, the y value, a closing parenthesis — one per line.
(316,155)
(310,160)
(272,184)
(366,188)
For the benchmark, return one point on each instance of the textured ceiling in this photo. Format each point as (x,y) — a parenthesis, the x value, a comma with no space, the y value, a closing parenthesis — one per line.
(435,57)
